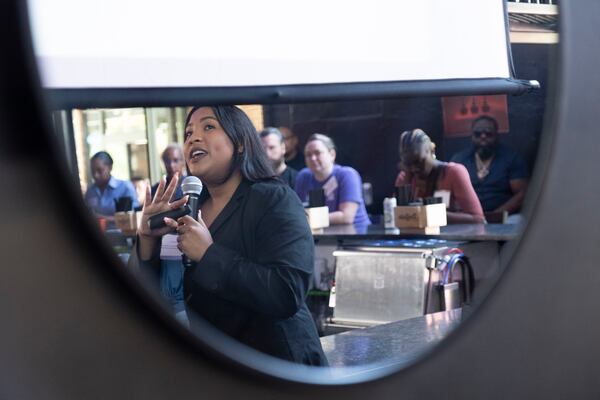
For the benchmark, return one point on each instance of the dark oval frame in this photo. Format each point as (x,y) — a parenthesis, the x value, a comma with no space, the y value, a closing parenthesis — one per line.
(534,335)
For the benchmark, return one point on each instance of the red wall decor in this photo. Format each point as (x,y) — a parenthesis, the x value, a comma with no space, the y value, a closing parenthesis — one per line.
(460,111)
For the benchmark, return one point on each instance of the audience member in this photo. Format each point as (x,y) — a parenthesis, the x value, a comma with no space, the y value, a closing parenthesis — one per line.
(172,157)
(293,156)
(139,184)
(426,175)
(274,146)
(101,195)
(170,271)
(498,174)
(342,185)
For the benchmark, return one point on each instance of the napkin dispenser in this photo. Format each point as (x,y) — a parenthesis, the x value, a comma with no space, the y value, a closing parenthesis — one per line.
(317,212)
(128,221)
(423,219)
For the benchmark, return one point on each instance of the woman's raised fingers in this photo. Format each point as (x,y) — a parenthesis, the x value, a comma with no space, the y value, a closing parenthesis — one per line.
(148,198)
(171,188)
(160,189)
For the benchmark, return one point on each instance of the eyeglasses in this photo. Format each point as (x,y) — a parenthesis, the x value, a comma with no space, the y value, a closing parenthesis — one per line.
(487,133)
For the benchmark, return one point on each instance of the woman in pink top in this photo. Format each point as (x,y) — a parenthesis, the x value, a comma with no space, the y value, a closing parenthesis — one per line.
(425,174)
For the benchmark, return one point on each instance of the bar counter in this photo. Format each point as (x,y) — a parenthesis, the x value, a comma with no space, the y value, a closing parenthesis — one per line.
(396,344)
(456,232)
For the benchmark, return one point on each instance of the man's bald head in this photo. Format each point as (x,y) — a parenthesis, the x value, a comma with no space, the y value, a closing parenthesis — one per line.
(173,159)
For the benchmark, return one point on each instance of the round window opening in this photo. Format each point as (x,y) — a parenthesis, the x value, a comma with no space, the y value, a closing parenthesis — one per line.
(326,229)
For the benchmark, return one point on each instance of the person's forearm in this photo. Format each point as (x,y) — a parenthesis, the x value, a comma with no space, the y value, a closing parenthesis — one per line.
(145,247)
(463,218)
(513,204)
(339,217)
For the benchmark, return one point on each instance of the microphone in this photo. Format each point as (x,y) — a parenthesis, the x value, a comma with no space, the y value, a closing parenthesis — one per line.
(192,187)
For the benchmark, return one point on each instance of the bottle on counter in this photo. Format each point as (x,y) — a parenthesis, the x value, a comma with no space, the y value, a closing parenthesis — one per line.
(388,212)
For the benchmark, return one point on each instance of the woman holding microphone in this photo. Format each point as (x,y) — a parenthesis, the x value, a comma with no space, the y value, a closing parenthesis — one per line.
(251,247)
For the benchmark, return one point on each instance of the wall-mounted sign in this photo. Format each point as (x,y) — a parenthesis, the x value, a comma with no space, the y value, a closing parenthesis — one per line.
(460,111)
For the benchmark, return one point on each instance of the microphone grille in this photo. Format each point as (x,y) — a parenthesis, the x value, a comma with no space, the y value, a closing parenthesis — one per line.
(191,185)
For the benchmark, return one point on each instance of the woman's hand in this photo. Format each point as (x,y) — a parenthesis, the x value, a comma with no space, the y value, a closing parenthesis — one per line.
(193,237)
(159,204)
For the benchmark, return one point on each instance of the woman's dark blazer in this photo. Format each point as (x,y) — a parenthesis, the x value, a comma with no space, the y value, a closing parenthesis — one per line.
(253,280)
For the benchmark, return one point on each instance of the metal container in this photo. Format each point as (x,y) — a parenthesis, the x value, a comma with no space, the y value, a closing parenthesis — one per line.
(388,212)
(367,190)
(451,298)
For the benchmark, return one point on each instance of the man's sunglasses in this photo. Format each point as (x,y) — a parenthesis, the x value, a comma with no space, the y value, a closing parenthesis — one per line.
(487,133)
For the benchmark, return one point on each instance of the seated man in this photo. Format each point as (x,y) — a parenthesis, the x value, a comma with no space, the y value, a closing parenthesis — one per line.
(273,143)
(342,185)
(293,156)
(140,184)
(498,174)
(170,279)
(172,158)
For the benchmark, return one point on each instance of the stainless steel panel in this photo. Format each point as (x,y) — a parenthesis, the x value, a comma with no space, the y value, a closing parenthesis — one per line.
(374,288)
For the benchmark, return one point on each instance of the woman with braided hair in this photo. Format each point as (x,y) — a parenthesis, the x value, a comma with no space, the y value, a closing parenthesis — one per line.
(420,169)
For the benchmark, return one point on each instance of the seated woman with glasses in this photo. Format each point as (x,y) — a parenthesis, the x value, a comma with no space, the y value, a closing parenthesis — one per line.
(426,175)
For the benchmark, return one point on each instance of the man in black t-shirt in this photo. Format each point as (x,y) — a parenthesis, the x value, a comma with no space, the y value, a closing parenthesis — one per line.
(293,155)
(499,175)
(274,146)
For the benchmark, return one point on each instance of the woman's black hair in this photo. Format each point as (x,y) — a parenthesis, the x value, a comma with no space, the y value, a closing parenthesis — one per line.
(411,142)
(248,153)
(104,157)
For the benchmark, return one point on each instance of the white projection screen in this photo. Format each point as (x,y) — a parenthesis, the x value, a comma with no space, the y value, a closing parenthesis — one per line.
(110,44)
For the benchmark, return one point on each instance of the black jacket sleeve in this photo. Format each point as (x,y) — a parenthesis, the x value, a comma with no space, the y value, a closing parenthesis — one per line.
(272,277)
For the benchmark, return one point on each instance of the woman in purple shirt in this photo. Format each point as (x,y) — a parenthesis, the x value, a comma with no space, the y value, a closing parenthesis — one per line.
(342,185)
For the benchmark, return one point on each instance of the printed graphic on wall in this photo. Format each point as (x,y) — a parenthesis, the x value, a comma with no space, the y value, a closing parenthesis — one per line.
(460,111)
